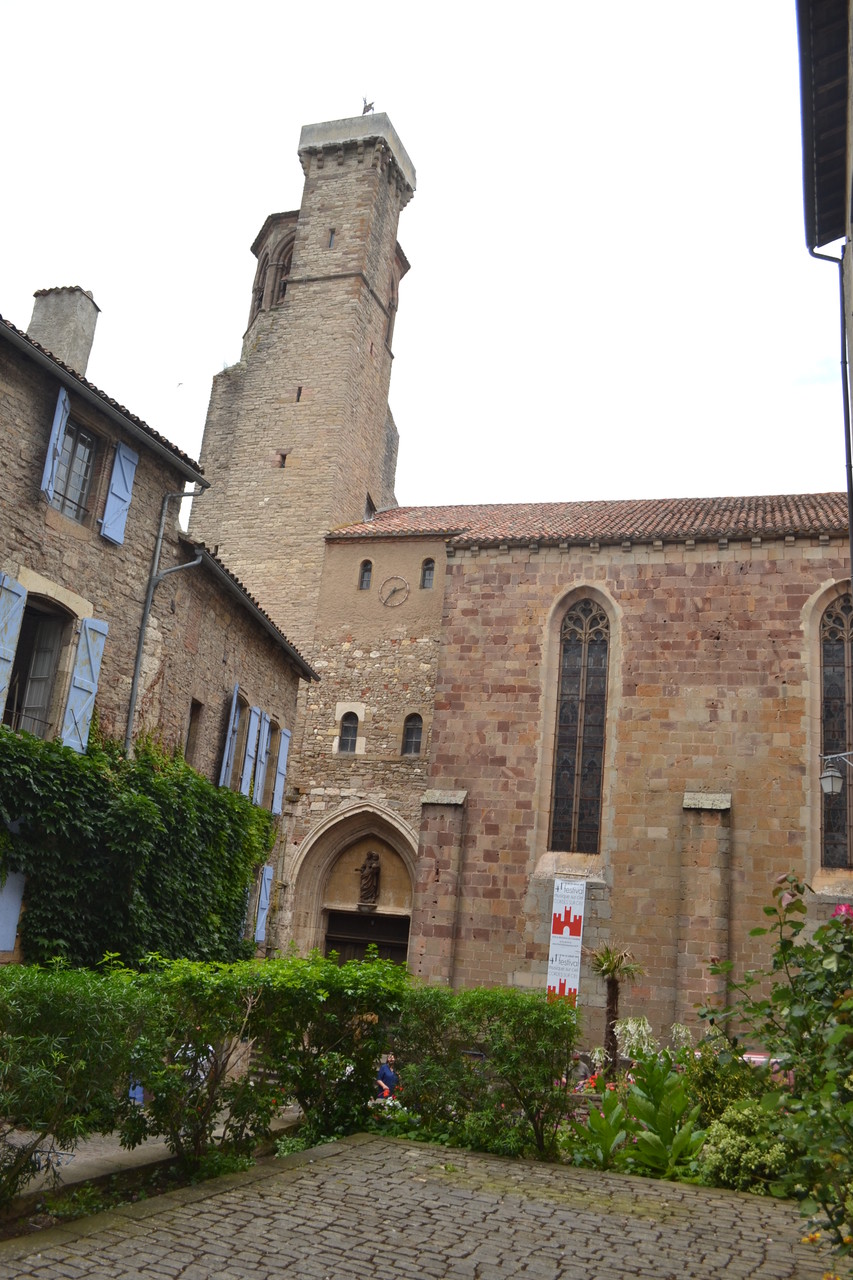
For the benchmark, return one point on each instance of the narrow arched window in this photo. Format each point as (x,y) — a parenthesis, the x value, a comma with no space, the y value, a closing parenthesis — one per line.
(260,287)
(836,652)
(413,729)
(283,267)
(349,733)
(427,574)
(581,715)
(365,573)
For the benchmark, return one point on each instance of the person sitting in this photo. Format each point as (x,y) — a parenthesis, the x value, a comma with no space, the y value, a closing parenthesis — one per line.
(387,1078)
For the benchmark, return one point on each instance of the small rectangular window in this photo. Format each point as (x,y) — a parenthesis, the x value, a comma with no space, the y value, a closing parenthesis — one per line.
(331,237)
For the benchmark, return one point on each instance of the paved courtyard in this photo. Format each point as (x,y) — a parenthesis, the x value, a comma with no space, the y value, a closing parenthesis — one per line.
(368,1207)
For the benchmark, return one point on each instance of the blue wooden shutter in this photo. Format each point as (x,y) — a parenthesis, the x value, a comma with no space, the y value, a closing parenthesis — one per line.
(13,598)
(251,751)
(11,896)
(118,498)
(262,760)
(84,684)
(280,771)
(263,903)
(230,740)
(54,445)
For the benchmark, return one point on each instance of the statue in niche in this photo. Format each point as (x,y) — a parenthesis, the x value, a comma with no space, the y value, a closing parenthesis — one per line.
(368,887)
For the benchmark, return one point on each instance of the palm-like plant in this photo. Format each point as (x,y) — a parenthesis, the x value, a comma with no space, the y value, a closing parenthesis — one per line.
(615,965)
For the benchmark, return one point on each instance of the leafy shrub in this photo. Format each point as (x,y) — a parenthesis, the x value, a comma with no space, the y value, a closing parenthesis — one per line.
(320,1029)
(715,1076)
(742,1153)
(488,1068)
(64,1064)
(806,1025)
(125,857)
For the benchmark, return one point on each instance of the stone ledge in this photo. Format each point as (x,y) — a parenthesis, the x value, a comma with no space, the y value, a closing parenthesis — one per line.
(444,797)
(720,800)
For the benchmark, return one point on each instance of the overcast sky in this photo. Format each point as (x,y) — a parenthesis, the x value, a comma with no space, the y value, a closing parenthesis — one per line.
(610,294)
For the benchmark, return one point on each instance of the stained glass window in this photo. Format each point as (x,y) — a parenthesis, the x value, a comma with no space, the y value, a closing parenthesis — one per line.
(581,714)
(836,643)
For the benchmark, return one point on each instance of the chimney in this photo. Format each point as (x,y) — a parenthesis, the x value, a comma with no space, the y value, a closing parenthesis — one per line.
(63,322)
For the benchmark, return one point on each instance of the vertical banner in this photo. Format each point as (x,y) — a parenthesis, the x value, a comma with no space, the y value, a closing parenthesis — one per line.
(564,954)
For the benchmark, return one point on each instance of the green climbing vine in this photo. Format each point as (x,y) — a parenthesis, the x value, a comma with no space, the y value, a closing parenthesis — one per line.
(125,857)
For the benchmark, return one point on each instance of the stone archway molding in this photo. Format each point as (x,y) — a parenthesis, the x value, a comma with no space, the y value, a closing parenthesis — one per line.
(327,841)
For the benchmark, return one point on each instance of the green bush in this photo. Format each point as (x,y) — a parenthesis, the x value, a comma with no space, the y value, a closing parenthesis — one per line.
(320,1029)
(715,1076)
(741,1152)
(487,1068)
(125,857)
(192,1057)
(805,1023)
(64,1064)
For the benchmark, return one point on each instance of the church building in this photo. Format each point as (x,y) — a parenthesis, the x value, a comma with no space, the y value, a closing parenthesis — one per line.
(632,695)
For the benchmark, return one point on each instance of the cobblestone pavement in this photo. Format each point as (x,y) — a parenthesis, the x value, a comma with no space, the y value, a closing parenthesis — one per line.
(370,1207)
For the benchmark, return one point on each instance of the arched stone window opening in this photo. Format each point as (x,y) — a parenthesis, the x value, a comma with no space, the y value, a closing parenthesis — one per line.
(260,287)
(282,275)
(580,732)
(365,573)
(836,660)
(413,729)
(349,733)
(427,575)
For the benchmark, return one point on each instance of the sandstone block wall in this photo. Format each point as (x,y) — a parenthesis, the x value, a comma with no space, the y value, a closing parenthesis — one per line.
(298,433)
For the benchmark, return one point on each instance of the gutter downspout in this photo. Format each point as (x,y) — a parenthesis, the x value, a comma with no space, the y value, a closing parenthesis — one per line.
(845,394)
(154,580)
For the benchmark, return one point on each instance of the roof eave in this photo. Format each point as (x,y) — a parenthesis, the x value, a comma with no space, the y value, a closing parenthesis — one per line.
(74,383)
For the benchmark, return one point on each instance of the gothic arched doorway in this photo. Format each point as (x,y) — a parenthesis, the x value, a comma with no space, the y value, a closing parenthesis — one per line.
(367,900)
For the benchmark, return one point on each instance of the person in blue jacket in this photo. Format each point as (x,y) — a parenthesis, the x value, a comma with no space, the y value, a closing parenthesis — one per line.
(387,1078)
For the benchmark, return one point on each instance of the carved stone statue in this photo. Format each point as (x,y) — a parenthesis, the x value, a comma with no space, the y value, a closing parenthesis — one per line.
(368,888)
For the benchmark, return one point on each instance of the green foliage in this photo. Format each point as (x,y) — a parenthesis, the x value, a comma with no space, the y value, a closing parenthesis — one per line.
(805,1022)
(487,1068)
(192,1060)
(125,857)
(716,1076)
(64,1054)
(321,1028)
(599,1141)
(668,1140)
(742,1152)
(644,1125)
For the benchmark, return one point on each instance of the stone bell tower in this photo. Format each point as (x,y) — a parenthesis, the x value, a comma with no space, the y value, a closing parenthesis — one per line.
(299,438)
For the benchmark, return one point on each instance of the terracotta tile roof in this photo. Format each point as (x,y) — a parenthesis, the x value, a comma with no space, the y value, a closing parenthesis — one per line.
(640,520)
(210,560)
(22,341)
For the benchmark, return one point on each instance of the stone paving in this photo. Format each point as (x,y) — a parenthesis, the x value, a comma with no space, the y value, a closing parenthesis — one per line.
(370,1207)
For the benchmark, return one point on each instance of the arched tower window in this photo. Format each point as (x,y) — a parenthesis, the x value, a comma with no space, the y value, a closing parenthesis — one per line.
(392,309)
(365,573)
(282,271)
(260,287)
(349,733)
(427,574)
(836,651)
(413,729)
(581,715)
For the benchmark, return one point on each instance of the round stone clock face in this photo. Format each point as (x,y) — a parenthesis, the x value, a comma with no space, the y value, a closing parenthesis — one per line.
(393,591)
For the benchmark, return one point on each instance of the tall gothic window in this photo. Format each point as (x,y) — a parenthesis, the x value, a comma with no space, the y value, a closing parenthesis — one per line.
(581,713)
(836,643)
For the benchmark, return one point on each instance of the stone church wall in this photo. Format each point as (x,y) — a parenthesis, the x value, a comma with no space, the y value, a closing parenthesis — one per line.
(710,693)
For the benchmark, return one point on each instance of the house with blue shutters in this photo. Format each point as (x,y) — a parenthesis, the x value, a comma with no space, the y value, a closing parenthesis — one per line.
(104,603)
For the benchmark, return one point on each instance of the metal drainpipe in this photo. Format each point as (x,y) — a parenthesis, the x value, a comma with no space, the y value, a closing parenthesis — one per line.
(845,394)
(154,580)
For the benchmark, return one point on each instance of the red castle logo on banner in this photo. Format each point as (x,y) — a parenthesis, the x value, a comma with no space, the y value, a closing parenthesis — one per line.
(562,992)
(567,924)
